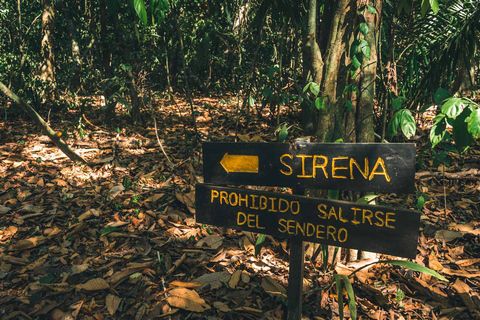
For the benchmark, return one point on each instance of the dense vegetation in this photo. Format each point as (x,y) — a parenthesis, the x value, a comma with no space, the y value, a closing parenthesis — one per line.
(353,67)
(102,74)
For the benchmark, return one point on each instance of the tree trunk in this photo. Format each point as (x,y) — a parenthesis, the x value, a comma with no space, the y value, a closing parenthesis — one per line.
(42,124)
(47,66)
(330,118)
(313,62)
(107,68)
(365,113)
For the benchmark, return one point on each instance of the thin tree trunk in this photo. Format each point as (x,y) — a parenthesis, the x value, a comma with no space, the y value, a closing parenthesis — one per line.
(47,67)
(185,75)
(42,124)
(107,68)
(365,109)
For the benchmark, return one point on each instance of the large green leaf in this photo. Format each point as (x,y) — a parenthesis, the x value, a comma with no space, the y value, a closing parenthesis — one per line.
(365,48)
(397,103)
(407,123)
(363,28)
(319,103)
(461,135)
(314,88)
(438,130)
(259,244)
(354,47)
(371,9)
(139,6)
(282,136)
(356,63)
(348,105)
(434,6)
(474,123)
(414,266)
(351,297)
(393,125)
(440,95)
(452,107)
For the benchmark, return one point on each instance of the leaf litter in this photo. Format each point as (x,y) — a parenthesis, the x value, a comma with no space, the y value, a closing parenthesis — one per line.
(118,239)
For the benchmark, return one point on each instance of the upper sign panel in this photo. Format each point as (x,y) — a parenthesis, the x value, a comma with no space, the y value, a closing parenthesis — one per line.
(337,166)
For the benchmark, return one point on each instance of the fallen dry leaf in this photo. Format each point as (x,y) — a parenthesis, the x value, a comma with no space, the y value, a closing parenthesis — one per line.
(94,285)
(235,279)
(186,299)
(272,287)
(215,280)
(112,302)
(4,210)
(212,241)
(184,284)
(447,235)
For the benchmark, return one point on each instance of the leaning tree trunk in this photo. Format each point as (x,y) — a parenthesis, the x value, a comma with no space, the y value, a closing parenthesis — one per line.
(42,124)
(47,66)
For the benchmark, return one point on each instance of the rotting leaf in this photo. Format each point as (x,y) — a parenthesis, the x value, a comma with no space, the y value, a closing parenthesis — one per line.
(112,302)
(213,242)
(182,284)
(4,210)
(94,285)
(79,268)
(273,287)
(447,235)
(186,299)
(215,280)
(235,279)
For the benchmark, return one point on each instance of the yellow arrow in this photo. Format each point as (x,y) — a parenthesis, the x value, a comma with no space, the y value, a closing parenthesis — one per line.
(239,163)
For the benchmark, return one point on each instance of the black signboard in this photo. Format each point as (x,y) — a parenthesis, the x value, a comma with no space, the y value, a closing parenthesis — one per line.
(339,223)
(387,167)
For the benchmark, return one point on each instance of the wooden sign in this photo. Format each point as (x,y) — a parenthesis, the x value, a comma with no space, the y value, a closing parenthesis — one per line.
(339,223)
(338,166)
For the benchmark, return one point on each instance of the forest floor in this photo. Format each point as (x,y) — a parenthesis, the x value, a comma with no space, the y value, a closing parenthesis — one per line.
(118,239)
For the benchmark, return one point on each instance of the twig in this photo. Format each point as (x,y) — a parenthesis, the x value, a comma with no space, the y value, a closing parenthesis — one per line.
(177,264)
(159,142)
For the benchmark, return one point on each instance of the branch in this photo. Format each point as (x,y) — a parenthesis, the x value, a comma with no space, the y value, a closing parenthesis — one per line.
(45,127)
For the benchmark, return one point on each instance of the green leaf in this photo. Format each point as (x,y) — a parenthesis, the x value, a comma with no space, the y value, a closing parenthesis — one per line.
(282,136)
(415,267)
(452,107)
(259,244)
(461,135)
(438,131)
(107,230)
(420,202)
(314,88)
(351,88)
(425,7)
(440,95)
(407,123)
(365,48)
(319,103)
(364,28)
(368,199)
(393,125)
(371,9)
(139,6)
(356,63)
(434,6)
(348,105)
(474,123)
(338,282)
(351,297)
(306,87)
(354,47)
(251,101)
(397,103)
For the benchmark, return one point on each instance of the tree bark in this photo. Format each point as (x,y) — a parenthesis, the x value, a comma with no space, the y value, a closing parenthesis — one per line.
(329,125)
(365,114)
(107,68)
(42,124)
(47,66)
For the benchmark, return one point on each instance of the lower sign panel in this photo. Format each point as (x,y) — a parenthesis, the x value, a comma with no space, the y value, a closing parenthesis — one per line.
(339,223)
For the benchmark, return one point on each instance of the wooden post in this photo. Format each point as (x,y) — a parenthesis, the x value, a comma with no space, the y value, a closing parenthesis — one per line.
(297,256)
